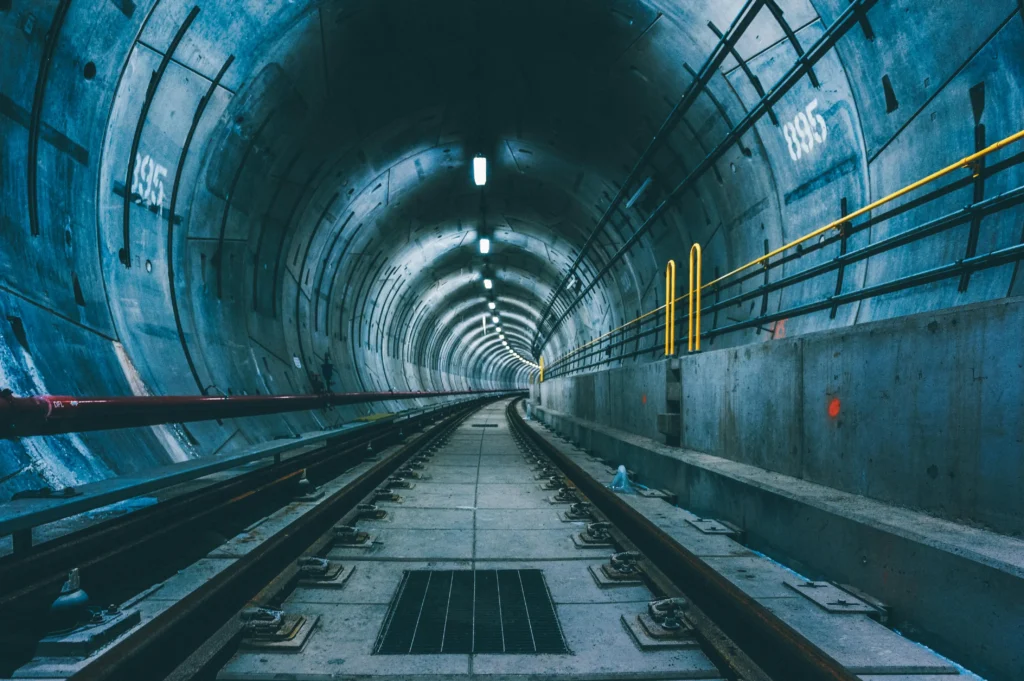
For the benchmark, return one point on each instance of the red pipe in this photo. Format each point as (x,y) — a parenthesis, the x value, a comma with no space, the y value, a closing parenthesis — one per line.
(52,414)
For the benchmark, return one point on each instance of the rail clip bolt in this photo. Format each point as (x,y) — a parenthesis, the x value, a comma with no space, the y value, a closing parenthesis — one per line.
(598,531)
(625,562)
(666,613)
(262,620)
(71,608)
(580,509)
(313,566)
(566,494)
(347,534)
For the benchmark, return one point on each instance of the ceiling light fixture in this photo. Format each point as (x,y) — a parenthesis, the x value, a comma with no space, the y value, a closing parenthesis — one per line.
(485,246)
(480,171)
(488,284)
(491,306)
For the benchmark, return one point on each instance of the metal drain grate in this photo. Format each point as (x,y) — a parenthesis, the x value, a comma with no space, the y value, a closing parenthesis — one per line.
(471,611)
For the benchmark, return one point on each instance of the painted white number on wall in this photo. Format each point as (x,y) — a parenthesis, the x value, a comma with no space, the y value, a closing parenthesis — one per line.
(147,181)
(805,132)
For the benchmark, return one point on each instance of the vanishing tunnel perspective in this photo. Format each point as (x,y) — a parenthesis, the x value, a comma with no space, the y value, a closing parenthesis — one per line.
(539,339)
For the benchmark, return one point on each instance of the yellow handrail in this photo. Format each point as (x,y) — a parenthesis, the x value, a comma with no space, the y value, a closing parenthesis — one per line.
(694,297)
(670,308)
(966,162)
(541,369)
(586,345)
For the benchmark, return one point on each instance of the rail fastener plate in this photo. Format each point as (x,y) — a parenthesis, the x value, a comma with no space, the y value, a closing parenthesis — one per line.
(335,578)
(641,627)
(600,576)
(830,597)
(299,627)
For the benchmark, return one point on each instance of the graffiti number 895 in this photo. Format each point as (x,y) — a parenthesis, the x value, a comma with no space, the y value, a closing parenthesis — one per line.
(805,132)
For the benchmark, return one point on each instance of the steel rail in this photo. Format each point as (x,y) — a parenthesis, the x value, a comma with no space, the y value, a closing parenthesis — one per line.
(53,414)
(731,661)
(158,646)
(134,550)
(773,645)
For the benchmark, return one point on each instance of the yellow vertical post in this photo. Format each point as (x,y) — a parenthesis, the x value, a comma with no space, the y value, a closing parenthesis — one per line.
(693,338)
(670,308)
(541,369)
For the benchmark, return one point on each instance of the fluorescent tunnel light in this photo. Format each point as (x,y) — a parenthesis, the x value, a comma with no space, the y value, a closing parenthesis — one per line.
(480,171)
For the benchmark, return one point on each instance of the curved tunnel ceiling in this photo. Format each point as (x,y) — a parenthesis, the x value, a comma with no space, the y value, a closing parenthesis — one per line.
(299,185)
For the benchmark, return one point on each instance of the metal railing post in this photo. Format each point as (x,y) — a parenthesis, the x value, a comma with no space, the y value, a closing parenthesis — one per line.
(693,337)
(670,308)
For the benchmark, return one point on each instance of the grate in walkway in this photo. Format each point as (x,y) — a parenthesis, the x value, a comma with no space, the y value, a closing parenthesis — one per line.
(471,611)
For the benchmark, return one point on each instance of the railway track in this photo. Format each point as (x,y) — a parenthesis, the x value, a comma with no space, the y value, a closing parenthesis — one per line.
(126,555)
(477,548)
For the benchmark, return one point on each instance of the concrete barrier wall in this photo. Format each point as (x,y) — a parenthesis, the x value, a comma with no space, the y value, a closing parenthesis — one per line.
(628,398)
(924,411)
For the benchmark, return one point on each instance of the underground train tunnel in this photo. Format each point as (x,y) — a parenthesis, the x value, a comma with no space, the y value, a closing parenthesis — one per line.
(539,339)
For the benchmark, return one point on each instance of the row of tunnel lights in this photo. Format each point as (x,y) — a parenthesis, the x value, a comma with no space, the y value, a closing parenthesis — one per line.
(480,179)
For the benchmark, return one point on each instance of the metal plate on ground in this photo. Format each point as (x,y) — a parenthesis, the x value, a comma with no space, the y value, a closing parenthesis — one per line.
(580,544)
(606,582)
(334,579)
(829,597)
(85,640)
(471,611)
(293,644)
(366,543)
(638,627)
(658,494)
(710,526)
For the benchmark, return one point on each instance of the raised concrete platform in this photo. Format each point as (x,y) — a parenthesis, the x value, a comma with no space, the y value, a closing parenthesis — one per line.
(955,588)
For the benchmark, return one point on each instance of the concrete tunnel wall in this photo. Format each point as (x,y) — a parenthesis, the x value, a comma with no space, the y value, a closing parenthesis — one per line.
(323,203)
(924,411)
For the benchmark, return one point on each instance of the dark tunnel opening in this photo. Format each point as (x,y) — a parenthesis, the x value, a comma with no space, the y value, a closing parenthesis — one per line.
(223,199)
